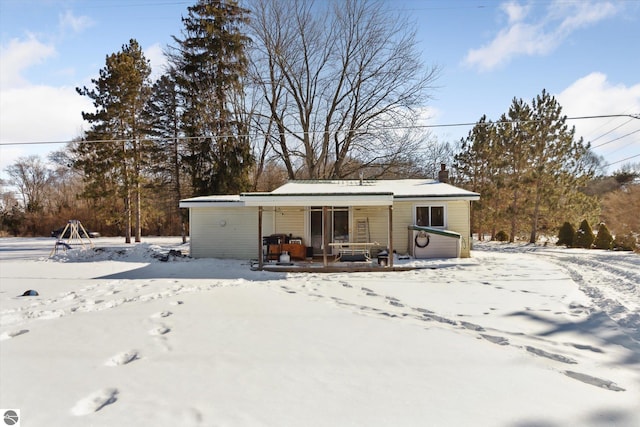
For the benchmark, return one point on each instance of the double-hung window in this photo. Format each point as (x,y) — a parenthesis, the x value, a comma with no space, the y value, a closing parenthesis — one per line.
(430,216)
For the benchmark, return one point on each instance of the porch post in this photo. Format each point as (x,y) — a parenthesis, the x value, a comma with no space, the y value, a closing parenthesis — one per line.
(390,235)
(325,241)
(260,249)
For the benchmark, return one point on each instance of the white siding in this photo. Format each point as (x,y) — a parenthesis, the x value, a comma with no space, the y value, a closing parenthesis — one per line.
(457,219)
(226,232)
(290,221)
(378,223)
(402,217)
(232,232)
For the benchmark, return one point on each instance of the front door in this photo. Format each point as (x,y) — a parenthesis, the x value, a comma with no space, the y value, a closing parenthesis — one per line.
(338,223)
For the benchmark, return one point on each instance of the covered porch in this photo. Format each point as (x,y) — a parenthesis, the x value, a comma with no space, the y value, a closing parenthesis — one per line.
(344,232)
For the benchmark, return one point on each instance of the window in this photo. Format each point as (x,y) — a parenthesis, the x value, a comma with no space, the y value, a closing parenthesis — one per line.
(430,216)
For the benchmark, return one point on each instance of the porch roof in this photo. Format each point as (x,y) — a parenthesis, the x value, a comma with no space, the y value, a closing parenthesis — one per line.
(317,199)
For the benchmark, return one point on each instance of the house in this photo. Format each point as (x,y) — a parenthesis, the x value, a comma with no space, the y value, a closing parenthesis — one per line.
(347,219)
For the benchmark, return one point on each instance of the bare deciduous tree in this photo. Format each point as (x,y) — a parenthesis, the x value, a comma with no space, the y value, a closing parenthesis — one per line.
(31,176)
(336,78)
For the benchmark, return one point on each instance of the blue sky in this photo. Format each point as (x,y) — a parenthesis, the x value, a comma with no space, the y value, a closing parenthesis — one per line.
(584,52)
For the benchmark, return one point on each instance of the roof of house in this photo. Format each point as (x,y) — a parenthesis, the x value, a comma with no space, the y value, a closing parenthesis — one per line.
(341,192)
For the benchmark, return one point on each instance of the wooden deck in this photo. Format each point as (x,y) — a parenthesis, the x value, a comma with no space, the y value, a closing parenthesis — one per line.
(316,266)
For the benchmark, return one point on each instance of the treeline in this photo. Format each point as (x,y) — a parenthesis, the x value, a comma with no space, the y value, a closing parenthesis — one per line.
(252,97)
(533,175)
(249,98)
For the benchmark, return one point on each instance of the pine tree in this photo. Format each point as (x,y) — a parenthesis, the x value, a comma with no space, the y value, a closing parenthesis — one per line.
(474,165)
(556,165)
(210,62)
(603,240)
(113,163)
(566,235)
(531,168)
(584,236)
(514,134)
(163,112)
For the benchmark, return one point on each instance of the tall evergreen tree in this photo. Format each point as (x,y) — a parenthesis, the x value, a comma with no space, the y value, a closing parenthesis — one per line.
(476,165)
(533,166)
(555,160)
(112,155)
(514,135)
(164,111)
(210,63)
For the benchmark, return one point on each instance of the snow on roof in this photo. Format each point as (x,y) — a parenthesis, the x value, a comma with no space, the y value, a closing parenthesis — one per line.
(368,192)
(400,188)
(220,200)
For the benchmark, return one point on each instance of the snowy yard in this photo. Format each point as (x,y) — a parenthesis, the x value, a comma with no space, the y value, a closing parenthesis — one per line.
(518,335)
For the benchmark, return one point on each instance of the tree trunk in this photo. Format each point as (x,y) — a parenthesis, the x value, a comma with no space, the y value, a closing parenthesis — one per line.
(534,217)
(514,217)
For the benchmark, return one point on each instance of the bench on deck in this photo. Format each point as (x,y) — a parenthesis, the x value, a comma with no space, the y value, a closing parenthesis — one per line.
(350,251)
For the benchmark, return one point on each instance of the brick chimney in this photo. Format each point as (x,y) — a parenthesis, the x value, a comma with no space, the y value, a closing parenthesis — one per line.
(443,175)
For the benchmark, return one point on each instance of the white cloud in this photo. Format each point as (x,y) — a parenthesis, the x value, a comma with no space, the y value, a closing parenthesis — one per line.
(581,14)
(41,113)
(526,34)
(38,114)
(19,55)
(594,95)
(77,24)
(515,11)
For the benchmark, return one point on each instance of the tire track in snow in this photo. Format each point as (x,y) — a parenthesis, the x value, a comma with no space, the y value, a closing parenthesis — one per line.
(611,289)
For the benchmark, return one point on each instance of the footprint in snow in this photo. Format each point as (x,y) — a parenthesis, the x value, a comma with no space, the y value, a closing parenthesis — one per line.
(586,347)
(422,310)
(495,339)
(472,326)
(552,356)
(123,358)
(160,330)
(95,401)
(12,334)
(161,314)
(598,382)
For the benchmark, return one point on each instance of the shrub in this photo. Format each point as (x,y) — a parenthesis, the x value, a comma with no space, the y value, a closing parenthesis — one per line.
(604,240)
(625,242)
(584,236)
(502,236)
(566,235)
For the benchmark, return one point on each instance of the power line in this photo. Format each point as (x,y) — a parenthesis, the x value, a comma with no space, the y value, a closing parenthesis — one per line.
(608,132)
(442,125)
(623,160)
(616,139)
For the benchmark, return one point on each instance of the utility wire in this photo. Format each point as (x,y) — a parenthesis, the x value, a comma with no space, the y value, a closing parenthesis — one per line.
(616,139)
(608,132)
(620,161)
(443,125)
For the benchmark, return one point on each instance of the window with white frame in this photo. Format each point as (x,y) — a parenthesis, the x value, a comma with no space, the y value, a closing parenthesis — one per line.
(430,216)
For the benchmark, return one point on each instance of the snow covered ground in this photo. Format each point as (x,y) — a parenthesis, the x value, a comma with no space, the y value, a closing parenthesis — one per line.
(518,335)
